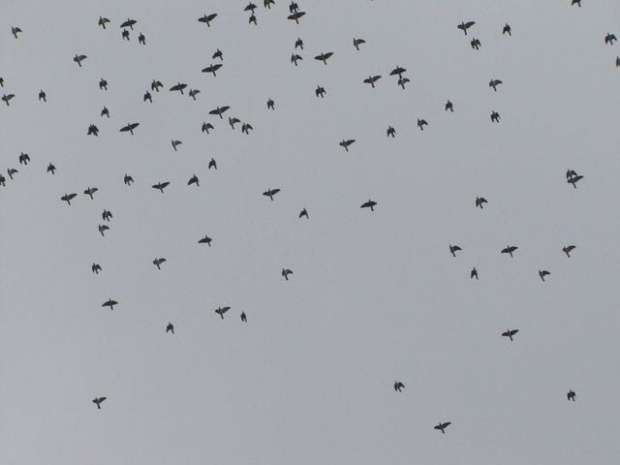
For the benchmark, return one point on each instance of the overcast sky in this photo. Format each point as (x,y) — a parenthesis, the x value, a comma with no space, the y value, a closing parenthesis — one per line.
(375,296)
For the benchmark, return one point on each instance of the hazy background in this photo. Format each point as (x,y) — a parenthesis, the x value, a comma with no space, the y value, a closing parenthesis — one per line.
(375,297)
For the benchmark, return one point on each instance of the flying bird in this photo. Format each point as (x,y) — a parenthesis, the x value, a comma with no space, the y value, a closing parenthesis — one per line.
(299,43)
(509,249)
(110,303)
(207,19)
(178,87)
(11,172)
(250,7)
(79,59)
(127,179)
(370,204)
(142,39)
(570,395)
(454,249)
(218,54)
(24,158)
(475,44)
(219,111)
(129,127)
(105,112)
(543,273)
(271,105)
(160,186)
(391,132)
(103,21)
(568,249)
(90,191)
(295,58)
(576,2)
(95,268)
(357,43)
(212,164)
(98,401)
(6,98)
(574,179)
(170,328)
(270,193)
(296,15)
(324,57)
(398,386)
(402,81)
(480,201)
(102,229)
(422,123)
(372,79)
(206,240)
(206,127)
(286,272)
(158,261)
(221,310)
(232,121)
(103,84)
(610,38)
(303,213)
(398,71)
(345,144)
(68,198)
(244,317)
(51,168)
(147,96)
(449,106)
(193,180)
(494,83)
(125,34)
(175,144)
(464,26)
(212,68)
(267,3)
(320,92)
(15,31)
(42,96)
(507,29)
(252,19)
(495,117)
(246,128)
(442,426)
(129,23)
(474,273)
(509,333)
(106,215)
(92,130)
(156,85)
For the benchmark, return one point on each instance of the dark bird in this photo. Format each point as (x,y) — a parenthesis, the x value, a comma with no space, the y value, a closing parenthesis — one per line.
(98,401)
(449,106)
(103,84)
(618,62)
(2,181)
(92,130)
(232,121)
(142,39)
(221,310)
(370,204)
(178,87)
(270,193)
(267,3)
(11,172)
(207,19)
(474,273)
(212,68)
(402,81)
(105,112)
(509,249)
(293,7)
(442,426)
(212,164)
(206,127)
(103,21)
(170,328)
(246,128)
(129,23)
(324,57)
(24,158)
(495,116)
(160,186)
(90,191)
(1,82)
(398,386)
(475,44)
(96,268)
(219,111)
(68,197)
(106,215)
(357,43)
(193,180)
(568,249)
(345,144)
(252,19)
(398,71)
(422,123)
(610,38)
(372,79)
(454,249)
(147,96)
(543,273)
(509,333)
(570,395)
(576,2)
(79,59)
(218,54)
(156,85)
(127,179)
(570,173)
(391,132)
(320,92)
(244,317)
(129,127)
(286,272)
(271,105)
(102,229)
(175,144)
(507,29)
(15,30)
(158,261)
(125,34)
(42,96)
(51,169)
(303,213)
(480,201)
(250,7)
(494,83)
(295,16)
(6,98)
(110,303)
(464,26)
(295,58)
(574,180)
(206,240)
(299,43)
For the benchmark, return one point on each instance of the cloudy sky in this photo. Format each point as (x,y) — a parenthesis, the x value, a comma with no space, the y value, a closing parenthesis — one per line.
(375,296)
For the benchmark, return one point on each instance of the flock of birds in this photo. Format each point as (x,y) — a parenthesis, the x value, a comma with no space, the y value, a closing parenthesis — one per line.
(295,15)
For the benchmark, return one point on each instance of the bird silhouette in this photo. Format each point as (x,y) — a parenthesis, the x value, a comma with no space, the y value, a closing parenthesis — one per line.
(6,98)
(576,2)
(296,16)
(442,426)
(110,303)
(465,26)
(105,112)
(303,213)
(398,71)
(212,164)
(495,117)
(193,180)
(15,31)
(156,85)
(218,54)
(449,106)
(212,68)
(570,395)
(398,386)
(147,96)
(568,249)
(253,20)
(106,215)
(42,96)
(103,84)
(370,204)
(480,201)
(454,249)
(95,268)
(170,328)
(92,130)
(160,186)
(402,81)
(543,273)
(219,111)
(324,57)
(51,168)
(246,128)
(206,19)
(129,23)
(102,229)
(232,121)
(206,240)
(286,272)
(178,87)
(244,317)
(206,127)
(90,191)
(142,39)
(474,273)
(574,180)
(2,180)
(346,143)
(610,38)
(422,123)
(267,3)
(509,249)
(221,310)
(68,197)
(158,262)
(299,43)
(129,127)
(507,29)
(79,59)
(371,80)
(494,83)
(271,104)
(98,401)
(509,333)
(11,172)
(295,58)
(475,44)
(270,193)
(250,7)
(357,43)
(23,158)
(320,92)
(125,35)
(391,132)
(127,179)
(175,144)
(103,21)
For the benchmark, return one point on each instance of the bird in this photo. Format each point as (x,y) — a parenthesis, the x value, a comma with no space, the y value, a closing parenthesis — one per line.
(543,273)
(357,43)
(299,43)
(207,19)
(206,127)
(125,34)
(90,191)
(110,303)
(170,328)
(105,112)
(98,400)
(156,85)
(295,58)
(372,79)
(391,132)
(296,15)
(178,87)
(570,173)
(509,249)
(11,172)
(96,268)
(79,59)
(398,71)
(370,204)
(158,261)
(568,249)
(129,23)
(212,164)
(509,333)
(252,19)
(474,273)
(610,38)
(147,96)
(218,54)
(92,130)
(15,31)
(320,92)
(422,123)
(303,213)
(232,121)
(324,57)
(212,68)
(68,197)
(495,117)
(398,386)
(286,272)
(129,127)
(494,83)
(102,229)
(618,61)
(6,98)
(576,2)
(270,193)
(246,128)
(442,426)
(293,7)
(570,395)
(244,317)
(480,201)
(24,158)
(1,82)
(103,21)
(160,186)
(454,249)
(449,106)
(103,84)
(219,111)
(574,179)
(175,144)
(250,7)
(345,144)
(106,215)
(193,180)
(271,105)
(267,3)
(464,26)
(205,240)
(127,179)
(221,310)
(51,168)
(2,181)
(507,29)
(42,96)
(402,81)
(475,44)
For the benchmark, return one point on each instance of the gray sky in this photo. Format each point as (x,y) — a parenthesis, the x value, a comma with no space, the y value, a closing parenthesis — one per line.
(375,297)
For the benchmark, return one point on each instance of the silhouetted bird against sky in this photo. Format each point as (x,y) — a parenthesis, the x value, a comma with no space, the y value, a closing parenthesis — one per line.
(68,198)
(494,83)
(370,204)
(127,179)
(106,215)
(103,21)
(509,249)
(474,273)
(543,273)
(320,92)
(267,3)
(147,96)
(250,7)
(299,43)
(610,38)
(129,23)
(449,106)
(422,123)
(391,132)
(79,59)
(156,85)
(271,105)
(102,229)
(158,262)
(357,43)
(398,71)
(371,80)
(98,401)
(398,386)
(454,249)
(92,130)
(286,272)
(480,201)
(212,68)
(23,158)
(170,328)
(304,213)
(295,58)
(15,31)
(142,39)
(246,128)
(293,7)
(270,193)
(206,127)
(345,144)
(129,127)
(244,317)
(125,35)
(618,62)
(507,29)
(495,117)
(42,96)
(509,333)
(175,144)
(219,111)
(568,249)
(90,191)
(212,164)
(95,268)
(206,240)
(296,16)
(161,186)
(570,395)
(253,20)
(574,179)
(11,172)
(110,303)
(324,57)
(221,310)
(402,81)
(6,98)
(232,121)
(193,180)
(206,19)
(465,26)
(475,44)
(105,112)
(576,2)
(103,84)
(442,426)
(178,87)
(51,168)
(218,54)
(2,181)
